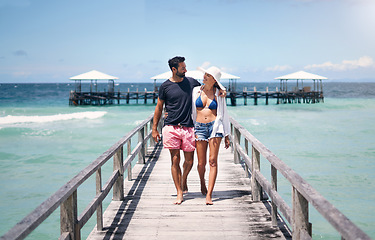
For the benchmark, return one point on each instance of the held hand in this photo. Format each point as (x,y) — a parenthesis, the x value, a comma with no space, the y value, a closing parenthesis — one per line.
(156,135)
(227,142)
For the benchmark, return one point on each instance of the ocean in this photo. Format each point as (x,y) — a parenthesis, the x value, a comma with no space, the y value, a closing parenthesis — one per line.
(44,142)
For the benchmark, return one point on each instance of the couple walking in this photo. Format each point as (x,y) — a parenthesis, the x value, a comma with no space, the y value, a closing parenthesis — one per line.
(197,118)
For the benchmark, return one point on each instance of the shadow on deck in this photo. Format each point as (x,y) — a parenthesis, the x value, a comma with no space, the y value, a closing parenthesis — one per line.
(148,212)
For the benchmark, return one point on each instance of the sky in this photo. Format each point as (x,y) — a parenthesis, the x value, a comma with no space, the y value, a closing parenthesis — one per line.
(257,40)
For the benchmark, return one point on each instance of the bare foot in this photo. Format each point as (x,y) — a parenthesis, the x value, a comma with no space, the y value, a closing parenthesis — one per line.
(184,187)
(203,189)
(209,201)
(179,200)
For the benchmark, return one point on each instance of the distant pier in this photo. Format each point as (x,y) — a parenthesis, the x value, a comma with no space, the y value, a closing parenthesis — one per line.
(109,98)
(98,98)
(299,93)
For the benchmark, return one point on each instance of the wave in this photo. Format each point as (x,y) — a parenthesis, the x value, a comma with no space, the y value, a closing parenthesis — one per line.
(52,118)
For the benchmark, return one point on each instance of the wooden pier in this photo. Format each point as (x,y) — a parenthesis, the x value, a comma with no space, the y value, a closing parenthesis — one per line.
(148,212)
(300,93)
(144,97)
(246,204)
(282,97)
(109,98)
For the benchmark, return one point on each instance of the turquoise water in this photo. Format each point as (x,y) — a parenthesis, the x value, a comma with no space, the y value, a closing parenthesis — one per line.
(331,145)
(44,142)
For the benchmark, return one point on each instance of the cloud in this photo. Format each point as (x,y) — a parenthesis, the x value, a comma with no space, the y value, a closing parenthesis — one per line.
(21,74)
(362,62)
(155,61)
(278,68)
(205,65)
(20,53)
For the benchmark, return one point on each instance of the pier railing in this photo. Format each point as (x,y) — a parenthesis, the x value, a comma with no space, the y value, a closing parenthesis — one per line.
(297,216)
(66,197)
(303,193)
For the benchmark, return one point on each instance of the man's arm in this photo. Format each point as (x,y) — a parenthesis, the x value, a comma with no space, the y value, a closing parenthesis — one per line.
(157,115)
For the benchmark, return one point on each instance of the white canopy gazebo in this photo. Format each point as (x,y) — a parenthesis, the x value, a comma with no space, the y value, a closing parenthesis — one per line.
(301,75)
(197,74)
(94,76)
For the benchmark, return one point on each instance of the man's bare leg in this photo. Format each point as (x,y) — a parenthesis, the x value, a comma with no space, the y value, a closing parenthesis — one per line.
(176,174)
(188,164)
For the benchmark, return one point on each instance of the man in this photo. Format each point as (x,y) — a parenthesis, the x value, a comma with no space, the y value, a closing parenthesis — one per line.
(178,130)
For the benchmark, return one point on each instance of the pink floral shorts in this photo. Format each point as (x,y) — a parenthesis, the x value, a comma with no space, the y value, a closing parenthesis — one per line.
(178,137)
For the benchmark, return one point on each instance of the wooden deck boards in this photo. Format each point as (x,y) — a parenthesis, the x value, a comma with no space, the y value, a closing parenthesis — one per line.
(148,211)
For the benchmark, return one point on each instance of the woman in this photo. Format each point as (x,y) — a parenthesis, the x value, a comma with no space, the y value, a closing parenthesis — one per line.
(209,112)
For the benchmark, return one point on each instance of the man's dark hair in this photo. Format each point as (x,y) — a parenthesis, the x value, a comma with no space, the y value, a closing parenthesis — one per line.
(174,62)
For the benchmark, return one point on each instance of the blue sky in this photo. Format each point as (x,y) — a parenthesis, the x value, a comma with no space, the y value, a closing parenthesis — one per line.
(258,40)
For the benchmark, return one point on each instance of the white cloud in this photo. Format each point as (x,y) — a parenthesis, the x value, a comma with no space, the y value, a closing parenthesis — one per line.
(278,68)
(21,74)
(362,62)
(205,65)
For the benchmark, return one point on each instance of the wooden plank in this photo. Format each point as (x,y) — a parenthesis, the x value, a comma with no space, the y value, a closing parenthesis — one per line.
(148,211)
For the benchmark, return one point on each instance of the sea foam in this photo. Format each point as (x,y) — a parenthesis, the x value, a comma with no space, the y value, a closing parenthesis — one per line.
(52,118)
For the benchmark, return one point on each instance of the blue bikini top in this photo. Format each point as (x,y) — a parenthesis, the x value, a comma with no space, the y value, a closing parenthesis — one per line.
(199,103)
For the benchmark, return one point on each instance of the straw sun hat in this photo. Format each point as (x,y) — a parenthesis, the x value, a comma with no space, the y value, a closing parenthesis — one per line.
(216,73)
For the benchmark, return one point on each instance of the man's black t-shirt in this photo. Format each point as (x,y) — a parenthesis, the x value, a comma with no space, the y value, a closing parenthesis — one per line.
(178,99)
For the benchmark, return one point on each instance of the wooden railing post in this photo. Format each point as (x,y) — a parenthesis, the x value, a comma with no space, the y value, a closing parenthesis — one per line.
(300,214)
(237,139)
(247,153)
(152,142)
(232,134)
(99,209)
(256,189)
(274,187)
(68,217)
(146,142)
(118,163)
(130,175)
(141,137)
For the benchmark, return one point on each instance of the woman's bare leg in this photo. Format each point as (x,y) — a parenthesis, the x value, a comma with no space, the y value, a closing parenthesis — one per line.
(214,144)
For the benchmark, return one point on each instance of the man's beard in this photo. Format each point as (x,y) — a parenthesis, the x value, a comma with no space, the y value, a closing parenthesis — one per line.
(179,74)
